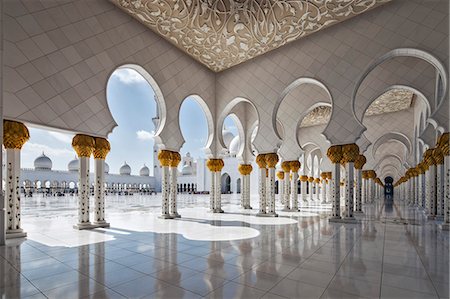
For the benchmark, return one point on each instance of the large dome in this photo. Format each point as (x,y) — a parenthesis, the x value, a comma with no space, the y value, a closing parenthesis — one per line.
(144,171)
(227,137)
(234,146)
(74,165)
(106,168)
(187,170)
(125,169)
(43,163)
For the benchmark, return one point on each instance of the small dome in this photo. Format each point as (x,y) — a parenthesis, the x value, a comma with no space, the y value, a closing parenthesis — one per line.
(227,137)
(74,165)
(106,168)
(144,171)
(187,170)
(234,146)
(125,169)
(43,162)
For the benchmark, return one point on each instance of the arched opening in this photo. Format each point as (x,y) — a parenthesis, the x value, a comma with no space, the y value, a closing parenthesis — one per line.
(238,186)
(133,94)
(226,183)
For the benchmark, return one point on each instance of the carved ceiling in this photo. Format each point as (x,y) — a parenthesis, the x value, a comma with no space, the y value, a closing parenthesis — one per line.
(391,101)
(224,33)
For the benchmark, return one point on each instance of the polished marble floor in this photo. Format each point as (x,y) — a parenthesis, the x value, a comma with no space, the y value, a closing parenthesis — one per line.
(392,253)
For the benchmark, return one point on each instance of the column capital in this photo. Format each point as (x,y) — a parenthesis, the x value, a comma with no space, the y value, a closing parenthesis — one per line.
(164,157)
(261,160)
(323,175)
(83,144)
(360,161)
(428,157)
(215,165)
(350,153)
(303,178)
(271,160)
(286,166)
(294,165)
(245,169)
(175,159)
(102,148)
(15,134)
(438,156)
(329,175)
(280,175)
(334,153)
(311,179)
(317,180)
(443,143)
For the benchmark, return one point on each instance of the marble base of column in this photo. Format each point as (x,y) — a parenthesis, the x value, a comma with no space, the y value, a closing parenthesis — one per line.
(165,216)
(15,233)
(86,225)
(102,224)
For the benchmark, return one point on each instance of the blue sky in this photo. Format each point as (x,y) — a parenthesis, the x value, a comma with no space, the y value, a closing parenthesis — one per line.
(132,104)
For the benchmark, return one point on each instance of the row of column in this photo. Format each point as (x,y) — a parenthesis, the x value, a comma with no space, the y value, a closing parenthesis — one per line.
(267,163)
(348,156)
(427,185)
(85,146)
(169,161)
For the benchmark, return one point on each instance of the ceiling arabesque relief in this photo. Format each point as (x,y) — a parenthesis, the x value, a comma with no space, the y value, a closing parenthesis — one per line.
(224,33)
(391,101)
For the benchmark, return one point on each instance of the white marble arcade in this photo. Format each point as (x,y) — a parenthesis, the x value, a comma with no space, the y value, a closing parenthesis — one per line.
(392,253)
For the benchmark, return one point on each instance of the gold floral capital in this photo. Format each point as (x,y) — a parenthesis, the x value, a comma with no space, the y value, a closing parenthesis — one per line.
(317,180)
(286,166)
(329,175)
(15,134)
(83,144)
(438,156)
(443,143)
(323,175)
(271,160)
(280,175)
(303,178)
(261,160)
(310,179)
(164,157)
(350,153)
(360,161)
(215,165)
(102,148)
(245,169)
(294,166)
(334,153)
(175,159)
(428,157)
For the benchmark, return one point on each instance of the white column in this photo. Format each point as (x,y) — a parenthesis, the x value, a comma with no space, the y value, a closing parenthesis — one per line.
(358,195)
(324,191)
(218,195)
(294,190)
(271,194)
(247,188)
(303,188)
(440,191)
(12,194)
(310,194)
(349,177)
(446,225)
(99,193)
(212,195)
(432,192)
(173,209)
(328,187)
(423,190)
(262,192)
(285,195)
(83,194)
(165,192)
(336,191)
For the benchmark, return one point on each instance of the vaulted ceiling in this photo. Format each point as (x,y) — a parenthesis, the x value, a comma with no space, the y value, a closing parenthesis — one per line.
(224,33)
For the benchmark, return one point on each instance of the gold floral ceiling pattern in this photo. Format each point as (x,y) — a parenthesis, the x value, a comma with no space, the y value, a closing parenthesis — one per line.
(391,101)
(224,33)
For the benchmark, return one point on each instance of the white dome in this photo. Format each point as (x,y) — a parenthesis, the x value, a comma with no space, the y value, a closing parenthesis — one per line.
(227,137)
(74,165)
(234,146)
(144,171)
(43,163)
(187,170)
(125,169)
(106,168)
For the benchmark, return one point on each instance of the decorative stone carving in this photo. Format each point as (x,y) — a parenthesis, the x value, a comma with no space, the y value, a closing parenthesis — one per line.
(224,33)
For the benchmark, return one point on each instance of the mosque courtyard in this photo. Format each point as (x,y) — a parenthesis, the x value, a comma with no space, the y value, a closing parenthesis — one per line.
(231,255)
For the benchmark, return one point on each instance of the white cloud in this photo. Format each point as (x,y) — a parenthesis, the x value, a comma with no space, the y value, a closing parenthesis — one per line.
(128,76)
(37,149)
(61,137)
(145,135)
